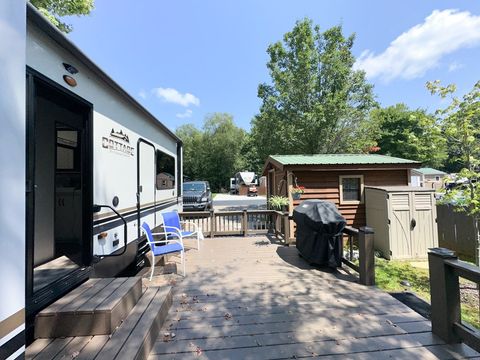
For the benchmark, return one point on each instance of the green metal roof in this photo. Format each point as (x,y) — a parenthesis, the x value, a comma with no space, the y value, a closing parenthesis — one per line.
(430,171)
(339,159)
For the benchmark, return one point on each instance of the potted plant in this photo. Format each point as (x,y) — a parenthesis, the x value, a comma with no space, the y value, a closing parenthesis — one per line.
(278,202)
(297,192)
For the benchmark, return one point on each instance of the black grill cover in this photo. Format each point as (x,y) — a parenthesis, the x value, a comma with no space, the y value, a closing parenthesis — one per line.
(319,229)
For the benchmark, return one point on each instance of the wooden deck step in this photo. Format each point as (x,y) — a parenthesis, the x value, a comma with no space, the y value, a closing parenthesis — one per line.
(96,307)
(133,339)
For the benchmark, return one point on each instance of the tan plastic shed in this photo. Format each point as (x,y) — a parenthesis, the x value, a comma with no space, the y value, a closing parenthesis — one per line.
(404,219)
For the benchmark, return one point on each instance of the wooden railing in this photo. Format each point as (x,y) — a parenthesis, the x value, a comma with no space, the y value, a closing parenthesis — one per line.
(364,239)
(445,270)
(244,222)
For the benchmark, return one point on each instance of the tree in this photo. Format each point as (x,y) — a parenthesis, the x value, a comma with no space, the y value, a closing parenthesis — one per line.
(410,134)
(222,144)
(213,153)
(316,101)
(55,9)
(192,150)
(461,126)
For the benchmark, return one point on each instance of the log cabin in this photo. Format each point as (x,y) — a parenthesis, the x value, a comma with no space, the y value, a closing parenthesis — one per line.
(339,178)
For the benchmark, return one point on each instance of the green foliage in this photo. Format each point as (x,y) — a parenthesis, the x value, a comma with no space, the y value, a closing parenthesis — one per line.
(192,151)
(410,134)
(465,198)
(316,102)
(389,274)
(55,9)
(213,153)
(461,125)
(278,202)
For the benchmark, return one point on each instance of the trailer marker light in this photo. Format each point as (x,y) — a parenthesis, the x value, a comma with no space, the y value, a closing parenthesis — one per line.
(102,235)
(70,68)
(70,80)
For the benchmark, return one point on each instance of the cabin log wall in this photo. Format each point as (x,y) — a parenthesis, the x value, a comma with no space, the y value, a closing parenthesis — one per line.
(324,185)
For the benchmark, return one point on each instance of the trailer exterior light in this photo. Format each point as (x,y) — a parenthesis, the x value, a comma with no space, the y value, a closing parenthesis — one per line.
(102,235)
(70,80)
(70,68)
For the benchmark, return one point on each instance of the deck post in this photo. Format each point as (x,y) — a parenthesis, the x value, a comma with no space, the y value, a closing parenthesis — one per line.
(244,222)
(367,256)
(444,294)
(212,223)
(286,226)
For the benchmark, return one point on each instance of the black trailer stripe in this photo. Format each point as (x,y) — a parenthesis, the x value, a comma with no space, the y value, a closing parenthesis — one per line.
(12,345)
(134,211)
(134,217)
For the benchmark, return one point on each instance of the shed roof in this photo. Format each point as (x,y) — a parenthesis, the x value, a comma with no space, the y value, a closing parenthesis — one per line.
(339,159)
(430,171)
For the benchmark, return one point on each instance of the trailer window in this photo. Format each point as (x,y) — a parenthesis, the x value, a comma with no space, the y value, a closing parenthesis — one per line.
(68,151)
(165,171)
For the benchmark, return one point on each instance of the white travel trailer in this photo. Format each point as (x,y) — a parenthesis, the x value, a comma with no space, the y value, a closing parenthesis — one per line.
(97,165)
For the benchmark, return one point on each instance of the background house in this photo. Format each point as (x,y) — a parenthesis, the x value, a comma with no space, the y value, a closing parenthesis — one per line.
(339,178)
(428,177)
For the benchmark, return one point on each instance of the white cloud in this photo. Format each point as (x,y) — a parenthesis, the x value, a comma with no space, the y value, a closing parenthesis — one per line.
(174,96)
(421,47)
(186,114)
(143,94)
(454,66)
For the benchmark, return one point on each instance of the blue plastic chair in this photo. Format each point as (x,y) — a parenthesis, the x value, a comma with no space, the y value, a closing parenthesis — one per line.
(172,224)
(164,247)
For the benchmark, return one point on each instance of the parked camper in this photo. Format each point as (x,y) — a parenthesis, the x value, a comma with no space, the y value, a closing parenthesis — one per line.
(97,164)
(246,183)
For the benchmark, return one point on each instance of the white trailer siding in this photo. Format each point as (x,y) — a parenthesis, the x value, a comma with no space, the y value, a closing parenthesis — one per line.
(12,179)
(115,172)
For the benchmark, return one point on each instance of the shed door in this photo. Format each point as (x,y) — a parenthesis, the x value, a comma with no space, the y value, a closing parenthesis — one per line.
(400,240)
(423,224)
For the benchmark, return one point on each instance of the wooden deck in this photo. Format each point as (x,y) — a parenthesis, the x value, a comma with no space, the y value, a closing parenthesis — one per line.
(251,298)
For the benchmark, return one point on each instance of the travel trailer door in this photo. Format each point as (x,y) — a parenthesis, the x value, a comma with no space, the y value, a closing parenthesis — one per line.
(59,191)
(146,183)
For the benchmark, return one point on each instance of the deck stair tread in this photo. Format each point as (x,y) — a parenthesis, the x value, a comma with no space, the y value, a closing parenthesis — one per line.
(133,339)
(96,307)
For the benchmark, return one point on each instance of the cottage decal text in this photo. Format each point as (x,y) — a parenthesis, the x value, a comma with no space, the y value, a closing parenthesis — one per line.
(118,142)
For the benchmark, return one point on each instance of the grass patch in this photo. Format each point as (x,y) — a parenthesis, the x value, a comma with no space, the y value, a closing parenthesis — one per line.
(389,274)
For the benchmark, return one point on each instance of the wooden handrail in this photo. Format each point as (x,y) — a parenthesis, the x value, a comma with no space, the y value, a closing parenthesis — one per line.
(465,270)
(240,222)
(349,230)
(445,270)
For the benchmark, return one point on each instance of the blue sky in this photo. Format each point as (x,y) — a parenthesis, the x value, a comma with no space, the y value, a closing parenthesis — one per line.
(184,59)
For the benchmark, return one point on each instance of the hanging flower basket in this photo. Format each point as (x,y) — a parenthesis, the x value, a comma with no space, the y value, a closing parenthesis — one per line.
(297,192)
(296,196)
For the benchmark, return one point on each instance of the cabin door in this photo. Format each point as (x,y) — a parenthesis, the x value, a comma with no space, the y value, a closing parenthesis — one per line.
(146,184)
(59,206)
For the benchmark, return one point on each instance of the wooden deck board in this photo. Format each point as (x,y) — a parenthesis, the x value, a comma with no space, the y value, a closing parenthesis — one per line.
(250,298)
(94,302)
(96,308)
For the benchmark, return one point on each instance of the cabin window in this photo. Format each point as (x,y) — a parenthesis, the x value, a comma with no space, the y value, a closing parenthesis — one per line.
(165,177)
(351,189)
